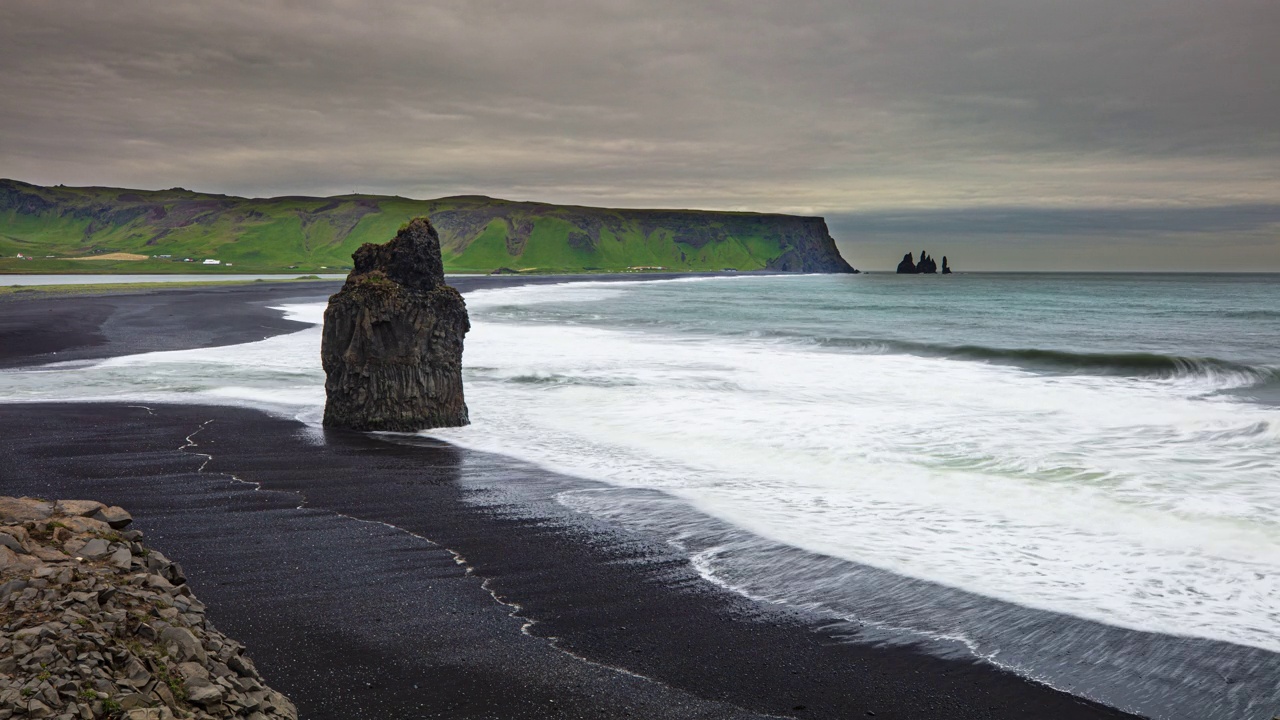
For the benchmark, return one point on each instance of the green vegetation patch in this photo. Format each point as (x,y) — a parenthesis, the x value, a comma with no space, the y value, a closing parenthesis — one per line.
(177,231)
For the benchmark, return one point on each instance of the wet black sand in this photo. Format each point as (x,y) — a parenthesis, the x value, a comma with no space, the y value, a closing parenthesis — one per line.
(355,606)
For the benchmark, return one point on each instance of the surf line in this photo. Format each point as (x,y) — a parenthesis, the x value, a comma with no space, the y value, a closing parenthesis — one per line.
(515,610)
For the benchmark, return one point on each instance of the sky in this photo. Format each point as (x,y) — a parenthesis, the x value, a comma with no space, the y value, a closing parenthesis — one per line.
(1007,134)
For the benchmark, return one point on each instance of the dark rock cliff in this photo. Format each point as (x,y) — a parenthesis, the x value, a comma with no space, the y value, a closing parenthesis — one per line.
(907,266)
(811,250)
(392,342)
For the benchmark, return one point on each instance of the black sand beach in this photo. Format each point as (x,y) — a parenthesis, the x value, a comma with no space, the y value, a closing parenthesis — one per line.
(366,584)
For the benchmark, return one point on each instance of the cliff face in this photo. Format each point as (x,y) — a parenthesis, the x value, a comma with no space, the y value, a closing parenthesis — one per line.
(811,249)
(478,234)
(392,341)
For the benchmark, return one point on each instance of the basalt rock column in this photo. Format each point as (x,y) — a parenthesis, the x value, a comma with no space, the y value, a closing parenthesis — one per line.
(392,343)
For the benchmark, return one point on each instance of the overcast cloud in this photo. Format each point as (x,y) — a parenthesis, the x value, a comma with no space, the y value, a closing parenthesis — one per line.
(843,108)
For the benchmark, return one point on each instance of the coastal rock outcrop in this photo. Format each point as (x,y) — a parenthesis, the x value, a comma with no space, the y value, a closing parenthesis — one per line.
(946,268)
(392,341)
(926,266)
(93,624)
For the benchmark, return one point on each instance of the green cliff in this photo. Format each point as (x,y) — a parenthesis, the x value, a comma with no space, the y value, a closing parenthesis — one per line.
(157,231)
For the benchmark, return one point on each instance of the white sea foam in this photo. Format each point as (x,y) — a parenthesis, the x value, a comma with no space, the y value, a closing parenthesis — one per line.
(1134,502)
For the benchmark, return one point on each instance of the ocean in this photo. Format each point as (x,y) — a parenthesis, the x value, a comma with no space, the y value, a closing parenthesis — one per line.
(1072,476)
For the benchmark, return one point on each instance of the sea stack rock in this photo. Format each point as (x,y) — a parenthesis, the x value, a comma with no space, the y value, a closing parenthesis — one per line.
(907,266)
(946,269)
(392,343)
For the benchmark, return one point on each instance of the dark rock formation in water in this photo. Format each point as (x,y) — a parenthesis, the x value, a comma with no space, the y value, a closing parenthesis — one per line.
(926,266)
(946,269)
(392,343)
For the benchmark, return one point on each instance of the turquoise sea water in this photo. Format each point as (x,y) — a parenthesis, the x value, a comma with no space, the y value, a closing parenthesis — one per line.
(1076,477)
(1071,476)
(1136,325)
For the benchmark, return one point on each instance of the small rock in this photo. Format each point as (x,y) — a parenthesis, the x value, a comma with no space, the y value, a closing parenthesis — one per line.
(9,560)
(81,525)
(122,558)
(48,554)
(158,582)
(11,587)
(202,692)
(243,666)
(133,700)
(116,517)
(12,543)
(185,645)
(193,670)
(24,509)
(136,673)
(37,709)
(160,713)
(45,654)
(94,549)
(78,508)
(166,696)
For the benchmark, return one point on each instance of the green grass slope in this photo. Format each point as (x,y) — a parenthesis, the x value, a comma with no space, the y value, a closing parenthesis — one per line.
(55,228)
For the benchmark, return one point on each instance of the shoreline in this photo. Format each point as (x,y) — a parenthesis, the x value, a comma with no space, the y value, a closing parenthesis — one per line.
(613,597)
(39,328)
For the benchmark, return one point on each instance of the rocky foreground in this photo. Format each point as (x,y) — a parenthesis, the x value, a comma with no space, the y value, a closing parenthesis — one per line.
(93,624)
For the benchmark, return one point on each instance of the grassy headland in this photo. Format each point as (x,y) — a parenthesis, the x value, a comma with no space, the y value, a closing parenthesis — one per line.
(59,229)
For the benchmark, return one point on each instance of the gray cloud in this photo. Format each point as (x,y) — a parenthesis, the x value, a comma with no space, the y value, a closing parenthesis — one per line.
(807,105)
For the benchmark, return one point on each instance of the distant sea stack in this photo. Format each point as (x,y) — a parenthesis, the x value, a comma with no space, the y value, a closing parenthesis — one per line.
(392,342)
(926,266)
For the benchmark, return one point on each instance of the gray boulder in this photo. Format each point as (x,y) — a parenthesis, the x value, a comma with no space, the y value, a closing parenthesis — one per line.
(116,517)
(95,549)
(183,645)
